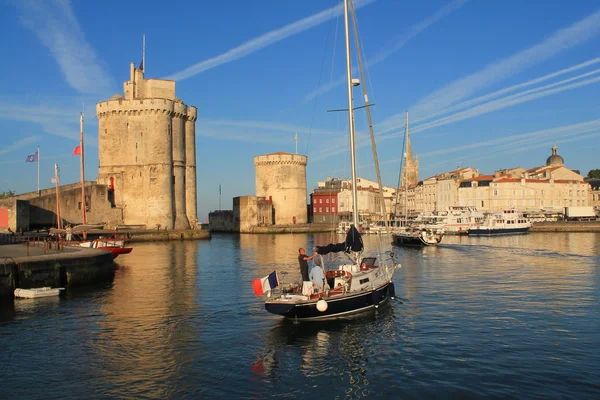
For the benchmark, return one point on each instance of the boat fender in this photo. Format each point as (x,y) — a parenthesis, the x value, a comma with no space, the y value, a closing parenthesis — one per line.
(322,305)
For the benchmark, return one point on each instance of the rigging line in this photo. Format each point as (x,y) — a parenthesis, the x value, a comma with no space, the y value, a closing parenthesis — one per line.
(312,120)
(363,56)
(337,21)
(400,177)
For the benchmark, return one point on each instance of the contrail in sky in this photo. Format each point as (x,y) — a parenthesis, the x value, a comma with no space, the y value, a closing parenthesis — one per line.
(58,29)
(561,40)
(381,56)
(263,41)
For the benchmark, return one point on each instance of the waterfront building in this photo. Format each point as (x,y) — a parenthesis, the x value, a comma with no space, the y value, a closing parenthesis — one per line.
(147,153)
(551,187)
(594,192)
(434,193)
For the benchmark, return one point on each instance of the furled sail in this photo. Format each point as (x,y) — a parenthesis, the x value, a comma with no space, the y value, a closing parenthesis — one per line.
(353,243)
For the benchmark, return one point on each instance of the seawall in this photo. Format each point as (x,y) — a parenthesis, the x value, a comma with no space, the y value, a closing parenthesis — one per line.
(562,226)
(156,235)
(58,268)
(303,228)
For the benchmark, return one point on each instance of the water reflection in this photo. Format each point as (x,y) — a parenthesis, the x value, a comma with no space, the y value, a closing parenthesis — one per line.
(149,319)
(475,317)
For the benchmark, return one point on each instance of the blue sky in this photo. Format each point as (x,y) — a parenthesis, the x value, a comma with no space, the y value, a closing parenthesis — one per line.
(488,84)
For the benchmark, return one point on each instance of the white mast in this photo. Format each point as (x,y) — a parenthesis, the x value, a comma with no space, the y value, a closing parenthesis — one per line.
(57,182)
(144,52)
(405,175)
(38,162)
(351,118)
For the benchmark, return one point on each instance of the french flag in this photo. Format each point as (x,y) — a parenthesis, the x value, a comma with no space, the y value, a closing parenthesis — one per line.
(265,284)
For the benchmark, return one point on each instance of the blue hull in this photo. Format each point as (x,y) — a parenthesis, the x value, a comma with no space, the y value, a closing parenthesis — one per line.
(498,231)
(338,307)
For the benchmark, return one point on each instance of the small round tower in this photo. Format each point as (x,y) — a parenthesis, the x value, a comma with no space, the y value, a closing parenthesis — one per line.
(281,177)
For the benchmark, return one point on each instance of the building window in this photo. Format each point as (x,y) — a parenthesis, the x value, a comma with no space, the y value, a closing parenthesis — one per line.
(327,200)
(320,209)
(333,200)
(315,209)
(320,201)
(481,203)
(326,209)
(495,192)
(333,209)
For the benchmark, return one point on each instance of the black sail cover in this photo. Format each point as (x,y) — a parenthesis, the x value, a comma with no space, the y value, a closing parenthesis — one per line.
(353,243)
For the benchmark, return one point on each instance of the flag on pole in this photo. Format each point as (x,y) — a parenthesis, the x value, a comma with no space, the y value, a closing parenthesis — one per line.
(33,158)
(265,284)
(77,151)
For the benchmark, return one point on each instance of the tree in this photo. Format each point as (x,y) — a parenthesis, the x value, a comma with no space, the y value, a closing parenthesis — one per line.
(5,195)
(594,174)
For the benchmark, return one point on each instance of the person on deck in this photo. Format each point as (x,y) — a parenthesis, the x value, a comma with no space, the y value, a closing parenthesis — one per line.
(303,261)
(318,278)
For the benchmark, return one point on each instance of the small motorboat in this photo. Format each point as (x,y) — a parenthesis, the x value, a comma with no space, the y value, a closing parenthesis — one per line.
(37,292)
(418,236)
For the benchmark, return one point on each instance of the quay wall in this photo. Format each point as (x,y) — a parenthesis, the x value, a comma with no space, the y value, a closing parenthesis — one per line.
(67,268)
(563,226)
(157,236)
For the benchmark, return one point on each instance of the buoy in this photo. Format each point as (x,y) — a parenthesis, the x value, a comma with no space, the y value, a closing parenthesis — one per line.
(322,305)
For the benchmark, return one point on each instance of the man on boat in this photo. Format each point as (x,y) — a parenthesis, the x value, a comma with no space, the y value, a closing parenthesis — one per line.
(303,261)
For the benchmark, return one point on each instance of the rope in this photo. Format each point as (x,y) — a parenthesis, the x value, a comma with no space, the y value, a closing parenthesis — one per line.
(312,120)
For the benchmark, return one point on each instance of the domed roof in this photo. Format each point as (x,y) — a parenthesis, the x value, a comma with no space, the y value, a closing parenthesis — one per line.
(555,159)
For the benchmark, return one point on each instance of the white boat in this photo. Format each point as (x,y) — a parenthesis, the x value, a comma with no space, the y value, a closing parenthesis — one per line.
(362,283)
(505,222)
(37,292)
(457,220)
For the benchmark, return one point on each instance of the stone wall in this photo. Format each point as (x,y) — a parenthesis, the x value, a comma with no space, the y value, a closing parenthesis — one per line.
(221,221)
(35,211)
(281,178)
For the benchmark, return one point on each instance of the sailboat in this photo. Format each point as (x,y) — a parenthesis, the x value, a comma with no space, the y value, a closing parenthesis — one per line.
(416,235)
(361,284)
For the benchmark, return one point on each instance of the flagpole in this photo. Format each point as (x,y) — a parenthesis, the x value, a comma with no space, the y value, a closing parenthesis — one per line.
(219,197)
(83,215)
(56,181)
(38,160)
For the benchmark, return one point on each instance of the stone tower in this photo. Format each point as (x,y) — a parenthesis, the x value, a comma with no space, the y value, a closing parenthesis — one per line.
(281,177)
(410,169)
(147,151)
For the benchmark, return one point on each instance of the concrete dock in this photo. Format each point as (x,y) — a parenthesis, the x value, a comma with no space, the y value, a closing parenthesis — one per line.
(31,266)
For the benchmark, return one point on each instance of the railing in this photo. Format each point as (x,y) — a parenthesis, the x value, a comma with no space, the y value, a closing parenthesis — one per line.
(45,242)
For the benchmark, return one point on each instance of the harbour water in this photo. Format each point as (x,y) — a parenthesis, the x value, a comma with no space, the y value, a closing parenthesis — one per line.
(503,317)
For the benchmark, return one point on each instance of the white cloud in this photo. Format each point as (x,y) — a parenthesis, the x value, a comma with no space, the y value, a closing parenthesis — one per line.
(58,121)
(30,140)
(561,40)
(58,29)
(263,41)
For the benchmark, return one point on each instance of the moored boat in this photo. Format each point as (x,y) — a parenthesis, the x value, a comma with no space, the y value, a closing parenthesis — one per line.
(37,292)
(505,222)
